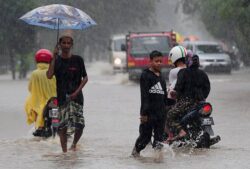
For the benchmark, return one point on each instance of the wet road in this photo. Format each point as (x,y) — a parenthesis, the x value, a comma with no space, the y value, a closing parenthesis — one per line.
(112,119)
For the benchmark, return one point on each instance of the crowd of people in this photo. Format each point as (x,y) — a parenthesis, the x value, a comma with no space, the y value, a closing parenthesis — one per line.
(162,108)
(63,75)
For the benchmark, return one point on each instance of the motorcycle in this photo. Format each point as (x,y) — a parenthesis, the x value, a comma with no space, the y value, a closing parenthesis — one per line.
(51,120)
(198,126)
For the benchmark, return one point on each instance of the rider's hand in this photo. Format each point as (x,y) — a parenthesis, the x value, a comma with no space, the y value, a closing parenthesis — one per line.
(173,94)
(182,133)
(144,119)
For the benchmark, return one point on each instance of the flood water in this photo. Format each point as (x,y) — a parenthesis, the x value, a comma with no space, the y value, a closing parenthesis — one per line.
(112,118)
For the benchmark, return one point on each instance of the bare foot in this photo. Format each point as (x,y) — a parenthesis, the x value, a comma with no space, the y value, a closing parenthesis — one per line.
(182,133)
(170,138)
(73,147)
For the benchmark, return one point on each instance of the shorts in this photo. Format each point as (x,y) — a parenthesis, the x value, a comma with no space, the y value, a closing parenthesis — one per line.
(71,116)
(178,111)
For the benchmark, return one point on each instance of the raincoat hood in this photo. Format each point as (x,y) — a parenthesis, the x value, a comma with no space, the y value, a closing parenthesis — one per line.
(42,66)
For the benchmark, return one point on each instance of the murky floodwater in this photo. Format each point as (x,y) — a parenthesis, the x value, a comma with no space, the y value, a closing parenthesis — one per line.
(112,118)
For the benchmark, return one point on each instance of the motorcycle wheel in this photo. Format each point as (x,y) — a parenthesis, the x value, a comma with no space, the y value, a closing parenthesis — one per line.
(203,141)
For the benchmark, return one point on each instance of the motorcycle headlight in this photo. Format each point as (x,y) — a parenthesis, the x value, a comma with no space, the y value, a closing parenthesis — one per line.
(117,61)
(206,109)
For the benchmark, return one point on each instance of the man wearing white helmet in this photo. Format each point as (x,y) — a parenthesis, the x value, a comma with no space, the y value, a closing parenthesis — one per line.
(177,56)
(192,86)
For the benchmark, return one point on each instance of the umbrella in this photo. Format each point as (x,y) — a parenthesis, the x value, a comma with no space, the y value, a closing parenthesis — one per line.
(58,16)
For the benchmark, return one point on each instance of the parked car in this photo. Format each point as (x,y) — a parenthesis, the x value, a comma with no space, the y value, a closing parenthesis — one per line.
(117,57)
(212,57)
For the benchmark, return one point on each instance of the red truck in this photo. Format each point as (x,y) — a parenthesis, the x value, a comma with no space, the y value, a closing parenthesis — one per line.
(140,44)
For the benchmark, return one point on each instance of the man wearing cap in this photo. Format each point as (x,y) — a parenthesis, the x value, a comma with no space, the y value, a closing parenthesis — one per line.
(71,77)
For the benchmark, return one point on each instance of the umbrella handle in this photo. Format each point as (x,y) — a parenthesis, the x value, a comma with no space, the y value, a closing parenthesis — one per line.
(57,38)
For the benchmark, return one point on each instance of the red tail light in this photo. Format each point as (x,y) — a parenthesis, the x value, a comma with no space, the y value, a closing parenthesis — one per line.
(55,102)
(206,109)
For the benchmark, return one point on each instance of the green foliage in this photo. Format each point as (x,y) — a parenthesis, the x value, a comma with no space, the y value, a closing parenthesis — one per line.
(227,20)
(112,17)
(14,34)
(16,37)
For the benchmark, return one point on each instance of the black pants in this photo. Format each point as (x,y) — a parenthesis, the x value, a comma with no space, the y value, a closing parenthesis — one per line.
(146,129)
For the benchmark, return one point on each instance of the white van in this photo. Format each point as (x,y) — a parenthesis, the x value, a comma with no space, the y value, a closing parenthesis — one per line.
(212,57)
(117,57)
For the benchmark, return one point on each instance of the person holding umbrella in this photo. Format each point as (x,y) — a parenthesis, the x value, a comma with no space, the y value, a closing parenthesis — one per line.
(69,69)
(71,77)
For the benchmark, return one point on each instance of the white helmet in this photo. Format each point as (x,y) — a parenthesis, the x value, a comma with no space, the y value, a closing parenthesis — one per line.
(176,53)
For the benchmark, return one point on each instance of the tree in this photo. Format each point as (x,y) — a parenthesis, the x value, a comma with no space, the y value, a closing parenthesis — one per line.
(112,17)
(227,20)
(16,37)
(230,21)
(19,38)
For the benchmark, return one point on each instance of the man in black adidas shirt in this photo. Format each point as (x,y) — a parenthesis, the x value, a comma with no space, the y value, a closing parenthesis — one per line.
(153,105)
(71,77)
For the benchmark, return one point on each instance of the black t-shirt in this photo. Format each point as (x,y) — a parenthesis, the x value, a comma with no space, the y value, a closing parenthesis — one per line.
(69,73)
(193,83)
(153,95)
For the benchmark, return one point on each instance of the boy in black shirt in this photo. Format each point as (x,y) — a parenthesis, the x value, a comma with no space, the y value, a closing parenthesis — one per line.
(153,105)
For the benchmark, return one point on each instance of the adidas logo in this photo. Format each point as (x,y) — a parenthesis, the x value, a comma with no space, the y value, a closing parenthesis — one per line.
(156,89)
